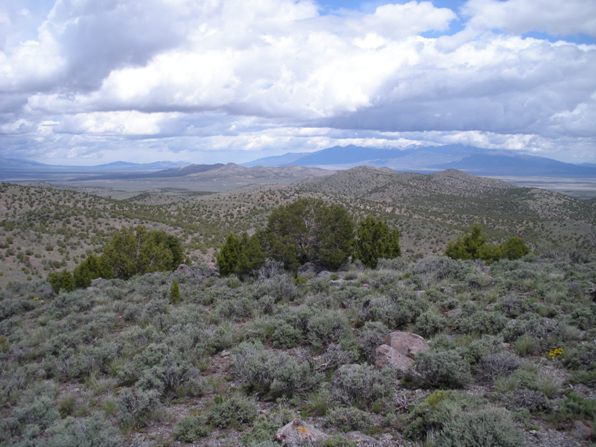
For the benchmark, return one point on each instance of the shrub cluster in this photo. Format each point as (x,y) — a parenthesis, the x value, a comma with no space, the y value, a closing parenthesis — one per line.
(309,231)
(361,385)
(130,252)
(271,372)
(473,245)
(457,419)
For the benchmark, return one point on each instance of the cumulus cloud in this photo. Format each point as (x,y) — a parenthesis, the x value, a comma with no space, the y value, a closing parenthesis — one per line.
(222,74)
(520,16)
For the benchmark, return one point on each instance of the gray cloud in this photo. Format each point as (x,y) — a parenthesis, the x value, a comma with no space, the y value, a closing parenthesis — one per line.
(274,75)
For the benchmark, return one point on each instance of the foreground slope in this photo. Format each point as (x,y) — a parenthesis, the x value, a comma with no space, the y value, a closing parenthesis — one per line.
(117,364)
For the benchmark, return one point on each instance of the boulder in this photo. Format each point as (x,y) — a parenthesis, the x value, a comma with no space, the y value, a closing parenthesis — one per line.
(407,343)
(308,270)
(298,433)
(400,350)
(385,355)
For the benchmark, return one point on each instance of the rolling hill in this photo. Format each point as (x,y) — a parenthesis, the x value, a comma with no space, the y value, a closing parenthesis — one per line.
(428,209)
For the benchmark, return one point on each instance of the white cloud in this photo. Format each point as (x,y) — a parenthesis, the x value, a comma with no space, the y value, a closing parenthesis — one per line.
(519,16)
(232,73)
(116,123)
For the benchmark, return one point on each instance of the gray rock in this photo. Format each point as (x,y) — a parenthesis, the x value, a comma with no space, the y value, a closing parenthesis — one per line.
(407,343)
(308,270)
(298,433)
(400,350)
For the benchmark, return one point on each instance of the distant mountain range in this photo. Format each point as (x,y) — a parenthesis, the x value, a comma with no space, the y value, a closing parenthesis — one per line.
(19,169)
(435,158)
(473,160)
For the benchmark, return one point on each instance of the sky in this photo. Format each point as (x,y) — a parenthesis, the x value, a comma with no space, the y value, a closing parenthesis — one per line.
(203,81)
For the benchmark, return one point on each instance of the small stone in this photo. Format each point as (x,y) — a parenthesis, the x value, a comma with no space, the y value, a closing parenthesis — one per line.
(582,429)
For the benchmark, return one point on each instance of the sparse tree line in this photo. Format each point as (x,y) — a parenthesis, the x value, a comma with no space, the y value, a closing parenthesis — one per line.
(305,231)
(309,231)
(131,251)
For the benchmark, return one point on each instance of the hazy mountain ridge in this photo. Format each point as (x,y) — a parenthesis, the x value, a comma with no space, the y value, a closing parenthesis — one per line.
(20,169)
(434,158)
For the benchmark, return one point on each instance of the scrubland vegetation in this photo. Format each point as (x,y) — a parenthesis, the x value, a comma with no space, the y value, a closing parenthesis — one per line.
(309,231)
(43,229)
(154,355)
(229,362)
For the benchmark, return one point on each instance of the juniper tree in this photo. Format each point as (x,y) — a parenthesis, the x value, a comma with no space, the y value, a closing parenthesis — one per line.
(375,240)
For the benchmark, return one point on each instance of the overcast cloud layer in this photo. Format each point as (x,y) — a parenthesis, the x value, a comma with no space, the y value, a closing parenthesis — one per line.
(86,81)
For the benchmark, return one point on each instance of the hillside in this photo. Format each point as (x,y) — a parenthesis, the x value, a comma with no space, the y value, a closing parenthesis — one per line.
(118,365)
(45,227)
(430,208)
(212,177)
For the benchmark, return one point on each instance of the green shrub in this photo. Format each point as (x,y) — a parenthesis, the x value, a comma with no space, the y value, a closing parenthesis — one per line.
(490,252)
(271,372)
(240,255)
(309,230)
(175,292)
(285,336)
(327,327)
(348,419)
(370,337)
(473,245)
(137,408)
(137,251)
(94,431)
(429,323)
(441,369)
(361,385)
(526,345)
(91,268)
(468,246)
(514,248)
(191,428)
(487,427)
(375,240)
(61,281)
(232,411)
